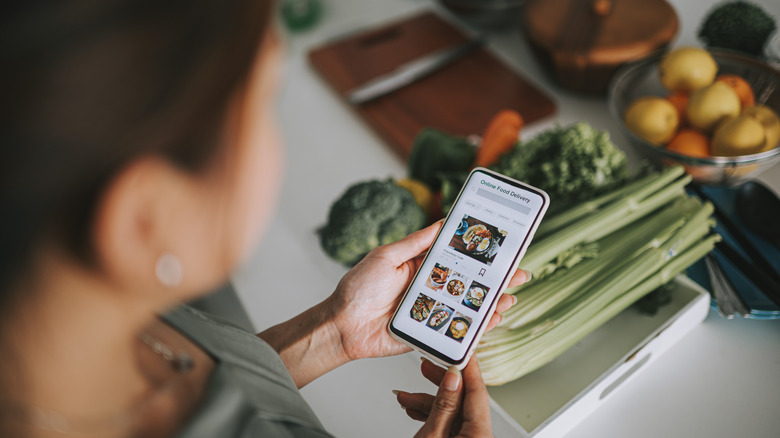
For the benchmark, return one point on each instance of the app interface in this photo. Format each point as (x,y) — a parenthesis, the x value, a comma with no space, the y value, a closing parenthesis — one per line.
(466,267)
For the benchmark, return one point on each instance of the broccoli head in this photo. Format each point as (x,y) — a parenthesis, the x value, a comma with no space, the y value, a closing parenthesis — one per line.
(737,25)
(572,164)
(367,215)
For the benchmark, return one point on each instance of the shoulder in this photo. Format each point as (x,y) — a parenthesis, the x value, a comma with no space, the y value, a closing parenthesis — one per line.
(242,405)
(261,425)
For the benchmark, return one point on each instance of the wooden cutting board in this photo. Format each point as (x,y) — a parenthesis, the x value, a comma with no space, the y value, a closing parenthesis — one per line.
(459,99)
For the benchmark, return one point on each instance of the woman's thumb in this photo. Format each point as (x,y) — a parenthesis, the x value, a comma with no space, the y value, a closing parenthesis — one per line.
(412,245)
(446,405)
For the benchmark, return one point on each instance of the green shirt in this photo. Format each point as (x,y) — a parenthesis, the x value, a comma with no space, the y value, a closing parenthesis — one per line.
(250,393)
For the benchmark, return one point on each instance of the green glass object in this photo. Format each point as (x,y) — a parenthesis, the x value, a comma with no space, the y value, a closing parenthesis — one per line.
(301,15)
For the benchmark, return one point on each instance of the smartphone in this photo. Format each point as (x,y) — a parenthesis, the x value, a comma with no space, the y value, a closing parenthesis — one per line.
(449,302)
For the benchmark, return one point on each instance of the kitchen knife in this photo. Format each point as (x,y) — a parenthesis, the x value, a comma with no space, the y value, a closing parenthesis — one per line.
(410,72)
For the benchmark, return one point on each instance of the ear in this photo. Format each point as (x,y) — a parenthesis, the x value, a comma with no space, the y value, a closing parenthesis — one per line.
(152,208)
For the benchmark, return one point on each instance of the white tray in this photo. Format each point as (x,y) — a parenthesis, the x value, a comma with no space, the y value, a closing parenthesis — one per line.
(550,401)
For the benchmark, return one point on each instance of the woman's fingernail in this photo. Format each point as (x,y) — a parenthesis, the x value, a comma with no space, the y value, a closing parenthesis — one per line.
(514,299)
(396,392)
(451,380)
(528,275)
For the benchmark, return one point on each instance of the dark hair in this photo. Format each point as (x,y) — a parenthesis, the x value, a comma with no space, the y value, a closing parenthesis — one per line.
(87,86)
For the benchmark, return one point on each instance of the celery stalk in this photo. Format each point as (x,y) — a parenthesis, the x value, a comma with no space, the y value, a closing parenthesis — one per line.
(605,221)
(537,298)
(540,350)
(559,310)
(578,211)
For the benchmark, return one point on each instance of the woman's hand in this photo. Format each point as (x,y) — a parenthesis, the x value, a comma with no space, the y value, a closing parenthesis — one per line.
(352,323)
(460,408)
(367,296)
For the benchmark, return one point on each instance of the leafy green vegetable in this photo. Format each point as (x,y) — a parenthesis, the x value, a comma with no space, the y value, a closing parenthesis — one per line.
(451,183)
(435,153)
(367,215)
(650,303)
(737,25)
(571,164)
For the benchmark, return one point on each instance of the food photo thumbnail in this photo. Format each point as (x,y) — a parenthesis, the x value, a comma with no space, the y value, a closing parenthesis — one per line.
(458,327)
(422,308)
(477,239)
(456,285)
(438,277)
(440,316)
(475,295)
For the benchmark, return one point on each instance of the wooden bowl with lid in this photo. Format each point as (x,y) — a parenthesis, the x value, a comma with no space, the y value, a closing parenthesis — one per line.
(583,42)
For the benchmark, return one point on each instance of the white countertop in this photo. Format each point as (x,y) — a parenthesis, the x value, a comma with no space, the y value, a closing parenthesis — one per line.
(721,380)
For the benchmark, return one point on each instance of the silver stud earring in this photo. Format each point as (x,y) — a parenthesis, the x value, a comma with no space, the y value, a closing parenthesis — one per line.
(168,270)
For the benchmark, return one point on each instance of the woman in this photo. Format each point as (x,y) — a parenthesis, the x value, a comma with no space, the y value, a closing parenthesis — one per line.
(140,165)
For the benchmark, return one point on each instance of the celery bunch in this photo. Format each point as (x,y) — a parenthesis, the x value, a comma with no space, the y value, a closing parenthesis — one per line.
(590,263)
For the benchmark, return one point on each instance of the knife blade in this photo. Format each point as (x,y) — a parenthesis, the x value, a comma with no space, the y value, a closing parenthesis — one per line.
(729,301)
(410,72)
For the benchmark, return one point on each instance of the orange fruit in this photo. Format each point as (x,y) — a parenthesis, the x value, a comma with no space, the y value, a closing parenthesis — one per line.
(680,100)
(690,142)
(744,91)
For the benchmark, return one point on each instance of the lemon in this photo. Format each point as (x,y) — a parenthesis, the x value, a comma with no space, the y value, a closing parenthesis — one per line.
(653,119)
(771,123)
(687,69)
(742,135)
(422,195)
(712,104)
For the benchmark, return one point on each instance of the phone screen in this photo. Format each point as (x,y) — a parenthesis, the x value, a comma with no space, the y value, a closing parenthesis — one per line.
(477,250)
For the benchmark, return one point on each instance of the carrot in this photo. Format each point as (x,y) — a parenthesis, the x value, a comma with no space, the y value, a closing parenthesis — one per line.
(501,134)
